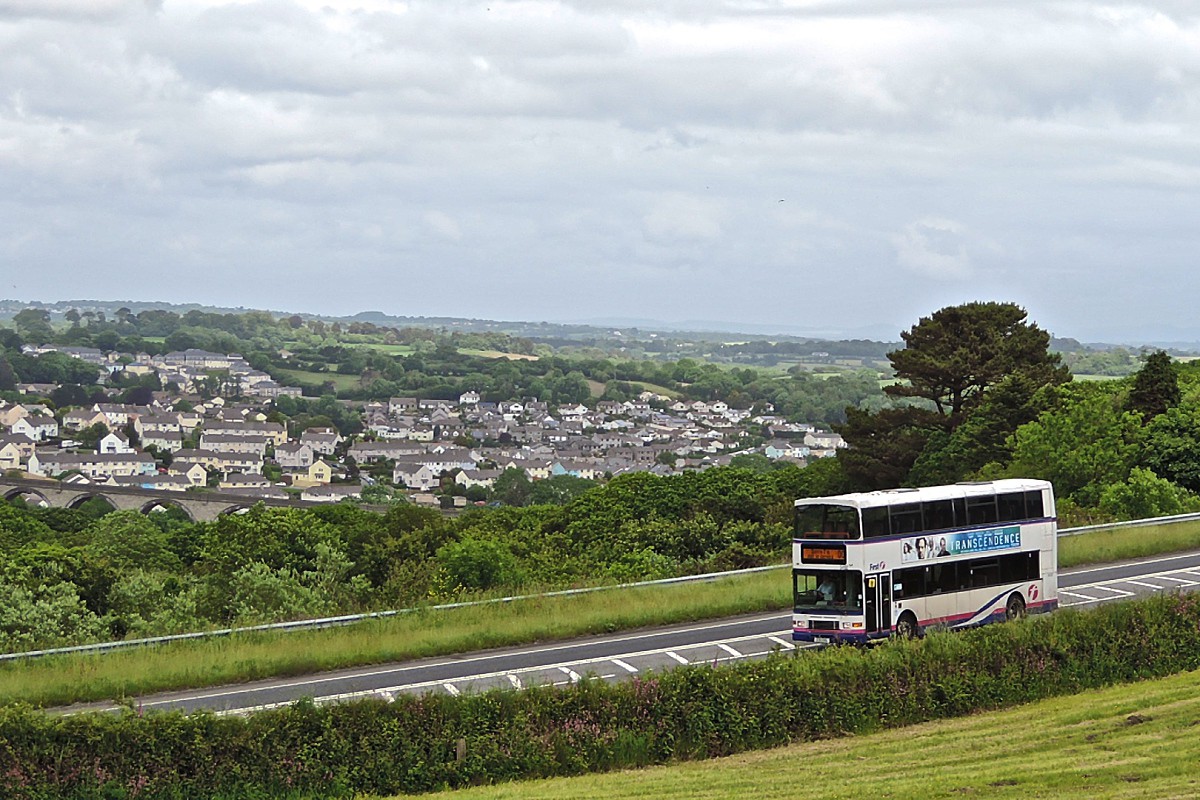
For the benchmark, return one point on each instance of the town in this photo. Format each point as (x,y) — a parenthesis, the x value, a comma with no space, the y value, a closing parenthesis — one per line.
(229,438)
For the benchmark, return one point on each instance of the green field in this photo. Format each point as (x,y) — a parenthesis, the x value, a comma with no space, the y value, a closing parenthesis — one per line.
(295,377)
(390,349)
(466,351)
(1130,741)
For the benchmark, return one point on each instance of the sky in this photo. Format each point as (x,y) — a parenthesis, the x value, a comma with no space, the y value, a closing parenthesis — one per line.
(842,167)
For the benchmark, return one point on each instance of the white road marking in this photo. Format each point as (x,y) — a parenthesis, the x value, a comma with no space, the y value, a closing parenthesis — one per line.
(570,673)
(1180,581)
(786,645)
(623,665)
(729,650)
(452,689)
(677,657)
(1153,586)
(1086,570)
(459,661)
(514,680)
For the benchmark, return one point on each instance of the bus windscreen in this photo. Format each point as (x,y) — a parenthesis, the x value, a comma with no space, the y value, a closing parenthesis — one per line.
(826,521)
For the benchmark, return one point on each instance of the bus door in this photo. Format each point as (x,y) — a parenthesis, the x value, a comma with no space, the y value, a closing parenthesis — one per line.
(877,602)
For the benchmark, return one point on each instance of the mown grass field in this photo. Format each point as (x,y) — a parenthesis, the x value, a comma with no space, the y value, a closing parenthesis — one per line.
(1130,741)
(295,377)
(466,351)
(67,679)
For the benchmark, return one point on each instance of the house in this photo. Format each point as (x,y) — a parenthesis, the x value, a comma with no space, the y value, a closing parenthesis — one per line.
(367,452)
(157,423)
(161,483)
(294,456)
(822,440)
(10,414)
(163,441)
(274,432)
(80,418)
(194,473)
(477,477)
(225,443)
(93,465)
(402,405)
(11,456)
(332,494)
(468,398)
(238,480)
(320,472)
(225,463)
(114,442)
(414,476)
(118,415)
(38,427)
(323,441)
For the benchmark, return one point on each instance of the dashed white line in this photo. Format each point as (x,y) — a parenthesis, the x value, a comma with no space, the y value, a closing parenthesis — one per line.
(1153,586)
(786,645)
(729,650)
(452,689)
(677,657)
(570,673)
(628,668)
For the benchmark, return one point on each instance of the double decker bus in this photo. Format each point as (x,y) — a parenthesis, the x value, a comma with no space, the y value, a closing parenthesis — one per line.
(870,565)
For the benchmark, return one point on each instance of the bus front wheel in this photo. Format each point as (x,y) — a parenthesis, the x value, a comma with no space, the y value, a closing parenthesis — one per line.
(906,626)
(1015,608)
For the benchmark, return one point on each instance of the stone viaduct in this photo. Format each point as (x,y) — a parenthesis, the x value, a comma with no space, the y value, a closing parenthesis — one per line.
(200,506)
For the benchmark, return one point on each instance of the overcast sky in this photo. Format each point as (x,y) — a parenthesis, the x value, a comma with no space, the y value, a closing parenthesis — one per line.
(839,166)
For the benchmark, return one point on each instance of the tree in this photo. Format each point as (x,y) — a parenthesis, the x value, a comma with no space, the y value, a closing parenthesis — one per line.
(512,487)
(34,324)
(1172,447)
(1082,445)
(951,362)
(1155,387)
(954,356)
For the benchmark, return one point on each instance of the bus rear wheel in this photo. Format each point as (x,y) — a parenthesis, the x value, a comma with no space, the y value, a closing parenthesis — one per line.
(1015,608)
(906,626)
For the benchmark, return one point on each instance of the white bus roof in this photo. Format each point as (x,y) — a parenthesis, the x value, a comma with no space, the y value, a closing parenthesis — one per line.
(892,497)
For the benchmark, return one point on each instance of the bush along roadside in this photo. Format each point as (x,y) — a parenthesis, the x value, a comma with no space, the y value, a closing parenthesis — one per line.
(417,744)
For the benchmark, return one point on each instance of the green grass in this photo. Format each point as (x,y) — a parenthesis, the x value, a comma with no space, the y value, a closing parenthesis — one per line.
(80,678)
(466,351)
(390,349)
(295,377)
(60,680)
(1124,543)
(1131,741)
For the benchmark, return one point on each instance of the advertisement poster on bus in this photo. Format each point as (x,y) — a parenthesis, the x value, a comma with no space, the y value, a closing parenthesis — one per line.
(945,545)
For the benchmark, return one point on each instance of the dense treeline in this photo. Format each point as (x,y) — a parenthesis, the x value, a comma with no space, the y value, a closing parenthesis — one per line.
(71,576)
(416,744)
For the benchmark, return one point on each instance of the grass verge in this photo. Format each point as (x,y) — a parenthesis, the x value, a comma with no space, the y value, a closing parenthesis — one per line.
(1130,741)
(61,680)
(68,679)
(1099,547)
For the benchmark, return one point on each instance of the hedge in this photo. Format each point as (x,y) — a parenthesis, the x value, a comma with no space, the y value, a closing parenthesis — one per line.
(418,744)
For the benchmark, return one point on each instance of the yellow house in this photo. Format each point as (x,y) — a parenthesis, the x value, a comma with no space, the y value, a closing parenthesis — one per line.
(319,474)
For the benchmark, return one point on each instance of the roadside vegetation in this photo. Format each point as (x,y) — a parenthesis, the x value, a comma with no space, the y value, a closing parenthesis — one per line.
(78,678)
(417,744)
(1124,742)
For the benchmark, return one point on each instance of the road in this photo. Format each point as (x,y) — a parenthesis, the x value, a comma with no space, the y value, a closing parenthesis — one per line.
(619,656)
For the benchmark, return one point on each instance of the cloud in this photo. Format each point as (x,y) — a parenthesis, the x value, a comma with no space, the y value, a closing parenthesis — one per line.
(613,141)
(934,248)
